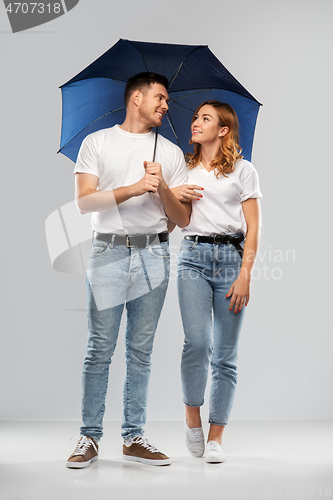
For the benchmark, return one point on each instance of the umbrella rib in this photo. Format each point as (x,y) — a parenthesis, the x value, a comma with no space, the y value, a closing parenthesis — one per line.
(190,95)
(183,97)
(210,88)
(172,128)
(181,64)
(123,84)
(183,112)
(94,121)
(144,60)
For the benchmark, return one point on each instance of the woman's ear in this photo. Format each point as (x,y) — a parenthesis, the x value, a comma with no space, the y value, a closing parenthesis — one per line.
(223,131)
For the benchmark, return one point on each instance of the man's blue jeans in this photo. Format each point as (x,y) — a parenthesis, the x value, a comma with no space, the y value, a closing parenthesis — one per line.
(118,277)
(205,273)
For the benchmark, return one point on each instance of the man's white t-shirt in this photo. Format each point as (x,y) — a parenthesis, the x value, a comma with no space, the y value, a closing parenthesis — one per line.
(116,157)
(220,211)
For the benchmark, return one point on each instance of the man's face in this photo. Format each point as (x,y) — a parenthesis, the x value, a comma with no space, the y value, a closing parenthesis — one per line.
(154,104)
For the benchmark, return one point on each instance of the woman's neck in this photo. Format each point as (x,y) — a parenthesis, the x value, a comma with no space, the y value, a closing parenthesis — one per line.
(208,153)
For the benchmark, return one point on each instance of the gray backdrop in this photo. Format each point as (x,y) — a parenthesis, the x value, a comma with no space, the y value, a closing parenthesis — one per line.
(282,53)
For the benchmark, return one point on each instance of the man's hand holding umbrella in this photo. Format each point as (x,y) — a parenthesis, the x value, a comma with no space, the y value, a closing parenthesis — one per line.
(149,182)
(154,169)
(171,204)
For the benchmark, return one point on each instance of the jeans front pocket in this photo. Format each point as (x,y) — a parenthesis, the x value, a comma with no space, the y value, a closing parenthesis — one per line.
(187,245)
(160,250)
(98,247)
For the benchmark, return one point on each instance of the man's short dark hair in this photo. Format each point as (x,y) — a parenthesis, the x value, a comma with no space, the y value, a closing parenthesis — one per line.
(145,79)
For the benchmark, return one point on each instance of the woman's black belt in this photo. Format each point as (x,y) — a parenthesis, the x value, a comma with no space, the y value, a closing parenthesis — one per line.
(139,240)
(222,239)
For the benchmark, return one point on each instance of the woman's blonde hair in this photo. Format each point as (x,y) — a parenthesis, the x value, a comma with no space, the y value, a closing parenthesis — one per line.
(229,150)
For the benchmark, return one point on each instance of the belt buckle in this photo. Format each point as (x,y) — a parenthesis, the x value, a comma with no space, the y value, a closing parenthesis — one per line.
(215,241)
(128,242)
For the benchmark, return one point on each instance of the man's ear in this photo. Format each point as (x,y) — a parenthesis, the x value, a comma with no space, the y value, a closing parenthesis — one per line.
(137,96)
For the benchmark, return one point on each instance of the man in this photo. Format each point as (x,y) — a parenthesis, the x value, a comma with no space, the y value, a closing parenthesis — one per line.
(130,201)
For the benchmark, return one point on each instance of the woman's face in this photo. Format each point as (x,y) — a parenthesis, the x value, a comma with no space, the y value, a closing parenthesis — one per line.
(205,127)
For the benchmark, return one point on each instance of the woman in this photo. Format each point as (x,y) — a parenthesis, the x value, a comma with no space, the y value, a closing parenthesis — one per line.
(214,269)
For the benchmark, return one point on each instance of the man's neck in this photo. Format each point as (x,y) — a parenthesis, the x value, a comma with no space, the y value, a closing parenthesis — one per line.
(134,126)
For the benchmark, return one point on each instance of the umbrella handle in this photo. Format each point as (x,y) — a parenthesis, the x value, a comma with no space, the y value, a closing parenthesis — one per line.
(156,134)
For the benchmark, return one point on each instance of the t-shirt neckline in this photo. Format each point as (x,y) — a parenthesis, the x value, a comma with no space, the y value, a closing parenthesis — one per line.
(134,136)
(208,171)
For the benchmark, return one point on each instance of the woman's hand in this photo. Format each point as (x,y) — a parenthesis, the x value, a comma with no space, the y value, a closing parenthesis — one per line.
(187,192)
(239,293)
(240,289)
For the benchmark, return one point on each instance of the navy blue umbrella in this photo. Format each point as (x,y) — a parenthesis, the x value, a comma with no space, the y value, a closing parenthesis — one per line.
(94,99)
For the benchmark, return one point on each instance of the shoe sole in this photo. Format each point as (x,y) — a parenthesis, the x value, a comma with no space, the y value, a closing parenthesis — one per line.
(196,455)
(147,461)
(80,465)
(215,460)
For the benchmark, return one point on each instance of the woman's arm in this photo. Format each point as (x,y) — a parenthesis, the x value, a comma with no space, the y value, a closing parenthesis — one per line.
(187,192)
(240,289)
(184,193)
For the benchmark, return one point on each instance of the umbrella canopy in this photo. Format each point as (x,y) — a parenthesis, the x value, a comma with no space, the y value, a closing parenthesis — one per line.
(94,99)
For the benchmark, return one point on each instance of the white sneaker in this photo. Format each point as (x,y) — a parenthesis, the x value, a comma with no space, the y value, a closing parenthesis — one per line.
(195,441)
(214,453)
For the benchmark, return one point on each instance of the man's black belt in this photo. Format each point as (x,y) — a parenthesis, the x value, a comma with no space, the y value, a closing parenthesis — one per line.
(139,240)
(222,239)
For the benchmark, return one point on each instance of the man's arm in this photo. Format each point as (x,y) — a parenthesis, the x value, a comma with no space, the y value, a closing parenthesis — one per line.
(176,211)
(88,199)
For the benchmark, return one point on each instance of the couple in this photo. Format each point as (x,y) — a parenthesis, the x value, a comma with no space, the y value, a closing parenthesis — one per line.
(134,202)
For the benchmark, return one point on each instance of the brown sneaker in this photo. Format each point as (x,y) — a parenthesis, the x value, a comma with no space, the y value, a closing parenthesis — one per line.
(140,450)
(86,451)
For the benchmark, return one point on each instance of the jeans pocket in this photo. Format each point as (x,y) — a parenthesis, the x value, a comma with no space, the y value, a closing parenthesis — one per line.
(187,245)
(98,247)
(233,247)
(162,250)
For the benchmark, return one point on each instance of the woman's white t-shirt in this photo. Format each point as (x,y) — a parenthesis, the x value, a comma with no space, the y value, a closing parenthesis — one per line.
(220,211)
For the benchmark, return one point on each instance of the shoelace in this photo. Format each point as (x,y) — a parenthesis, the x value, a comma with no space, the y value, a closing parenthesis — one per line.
(214,445)
(83,445)
(145,443)
(196,434)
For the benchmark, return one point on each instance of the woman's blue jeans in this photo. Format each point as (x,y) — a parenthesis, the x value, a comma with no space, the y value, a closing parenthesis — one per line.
(119,277)
(205,273)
